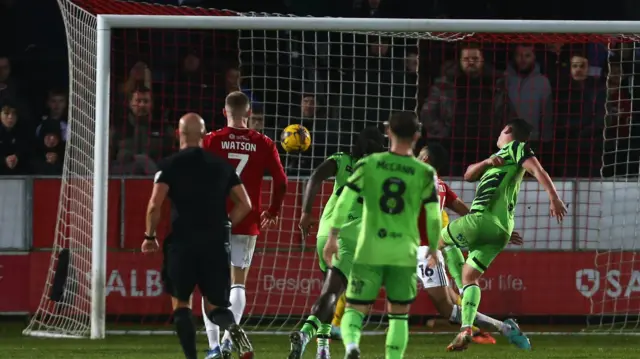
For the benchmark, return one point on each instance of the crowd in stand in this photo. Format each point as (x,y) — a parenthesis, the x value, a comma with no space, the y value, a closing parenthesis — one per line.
(578,96)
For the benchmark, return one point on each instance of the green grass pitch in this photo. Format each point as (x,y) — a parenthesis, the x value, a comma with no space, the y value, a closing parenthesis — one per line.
(15,346)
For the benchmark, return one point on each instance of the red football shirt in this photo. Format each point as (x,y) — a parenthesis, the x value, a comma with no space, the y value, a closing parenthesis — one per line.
(253,154)
(446,196)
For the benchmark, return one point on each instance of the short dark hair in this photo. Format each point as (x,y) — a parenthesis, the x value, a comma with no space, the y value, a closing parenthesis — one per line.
(438,156)
(520,128)
(525,45)
(141,89)
(237,101)
(581,55)
(470,46)
(404,124)
(370,140)
(57,92)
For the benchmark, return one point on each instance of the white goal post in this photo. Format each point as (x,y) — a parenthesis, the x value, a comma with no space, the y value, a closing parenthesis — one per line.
(97,151)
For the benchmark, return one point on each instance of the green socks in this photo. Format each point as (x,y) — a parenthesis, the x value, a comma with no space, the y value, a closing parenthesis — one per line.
(351,327)
(311,326)
(397,336)
(324,334)
(455,260)
(470,302)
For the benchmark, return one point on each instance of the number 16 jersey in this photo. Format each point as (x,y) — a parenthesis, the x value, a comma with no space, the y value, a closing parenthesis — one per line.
(394,189)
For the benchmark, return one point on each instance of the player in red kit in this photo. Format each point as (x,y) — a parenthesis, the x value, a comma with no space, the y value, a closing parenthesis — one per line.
(253,154)
(434,277)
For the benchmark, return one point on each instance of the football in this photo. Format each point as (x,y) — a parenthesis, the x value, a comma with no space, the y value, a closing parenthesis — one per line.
(295,138)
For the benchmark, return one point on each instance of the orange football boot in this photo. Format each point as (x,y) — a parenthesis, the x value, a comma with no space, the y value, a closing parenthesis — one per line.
(482,337)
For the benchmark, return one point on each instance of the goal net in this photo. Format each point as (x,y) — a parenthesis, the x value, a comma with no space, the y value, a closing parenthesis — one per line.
(577,90)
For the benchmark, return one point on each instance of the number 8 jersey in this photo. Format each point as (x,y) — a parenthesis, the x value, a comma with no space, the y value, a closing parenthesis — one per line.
(253,155)
(394,189)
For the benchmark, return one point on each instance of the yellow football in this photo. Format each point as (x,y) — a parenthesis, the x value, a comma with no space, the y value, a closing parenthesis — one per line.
(295,138)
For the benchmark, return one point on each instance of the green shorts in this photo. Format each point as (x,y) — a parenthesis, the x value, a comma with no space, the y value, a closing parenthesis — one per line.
(480,233)
(320,242)
(346,249)
(365,282)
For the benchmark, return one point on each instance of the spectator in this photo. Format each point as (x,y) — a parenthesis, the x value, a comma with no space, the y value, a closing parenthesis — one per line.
(49,155)
(411,62)
(406,98)
(621,147)
(57,103)
(555,62)
(467,105)
(233,82)
(581,105)
(11,90)
(325,134)
(193,86)
(145,131)
(256,121)
(530,92)
(580,111)
(139,76)
(129,164)
(618,105)
(14,145)
(372,8)
(380,80)
(8,87)
(454,106)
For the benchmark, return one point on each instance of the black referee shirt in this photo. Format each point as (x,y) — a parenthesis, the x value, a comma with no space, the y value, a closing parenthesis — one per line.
(199,183)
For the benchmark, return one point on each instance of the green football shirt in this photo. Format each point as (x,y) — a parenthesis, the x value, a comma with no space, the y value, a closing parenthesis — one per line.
(497,192)
(393,189)
(344,164)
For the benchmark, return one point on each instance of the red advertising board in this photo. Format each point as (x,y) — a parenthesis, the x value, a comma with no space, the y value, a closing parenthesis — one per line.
(127,204)
(518,283)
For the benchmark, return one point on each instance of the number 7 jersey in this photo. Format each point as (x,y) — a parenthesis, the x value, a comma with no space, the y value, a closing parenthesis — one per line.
(394,189)
(253,155)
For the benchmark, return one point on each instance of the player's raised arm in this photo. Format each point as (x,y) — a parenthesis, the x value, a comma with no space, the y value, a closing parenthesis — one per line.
(454,203)
(279,188)
(327,169)
(557,207)
(240,198)
(476,170)
(459,207)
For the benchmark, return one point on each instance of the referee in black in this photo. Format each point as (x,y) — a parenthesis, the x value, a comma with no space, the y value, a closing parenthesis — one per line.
(196,252)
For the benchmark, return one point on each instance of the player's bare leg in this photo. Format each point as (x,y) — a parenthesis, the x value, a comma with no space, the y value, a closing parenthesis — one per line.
(225,319)
(321,314)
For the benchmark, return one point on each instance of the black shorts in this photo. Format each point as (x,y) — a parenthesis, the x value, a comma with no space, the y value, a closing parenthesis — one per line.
(204,263)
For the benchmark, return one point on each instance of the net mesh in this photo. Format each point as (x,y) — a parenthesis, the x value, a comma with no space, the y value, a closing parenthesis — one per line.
(65,306)
(337,83)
